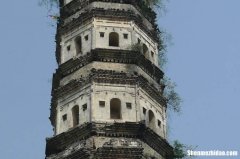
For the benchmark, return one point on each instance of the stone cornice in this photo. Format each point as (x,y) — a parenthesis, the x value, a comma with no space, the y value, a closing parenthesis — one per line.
(126,153)
(104,153)
(112,56)
(127,130)
(77,5)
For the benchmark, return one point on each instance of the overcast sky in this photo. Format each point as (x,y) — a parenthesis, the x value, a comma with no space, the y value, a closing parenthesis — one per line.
(204,61)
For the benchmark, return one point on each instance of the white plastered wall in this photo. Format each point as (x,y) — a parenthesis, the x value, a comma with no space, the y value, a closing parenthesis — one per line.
(93,29)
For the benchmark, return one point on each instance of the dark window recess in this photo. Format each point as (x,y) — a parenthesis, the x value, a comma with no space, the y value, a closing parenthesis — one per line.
(78,45)
(151,119)
(115,108)
(86,37)
(64,117)
(84,107)
(144,110)
(114,39)
(125,36)
(159,123)
(101,34)
(68,47)
(129,105)
(102,103)
(139,41)
(145,50)
(152,53)
(75,115)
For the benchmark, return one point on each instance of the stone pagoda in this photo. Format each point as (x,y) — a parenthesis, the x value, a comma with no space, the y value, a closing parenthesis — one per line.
(107,96)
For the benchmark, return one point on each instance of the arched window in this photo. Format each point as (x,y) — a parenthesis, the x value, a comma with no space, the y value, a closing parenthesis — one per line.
(145,51)
(75,115)
(78,45)
(151,120)
(113,39)
(152,54)
(115,108)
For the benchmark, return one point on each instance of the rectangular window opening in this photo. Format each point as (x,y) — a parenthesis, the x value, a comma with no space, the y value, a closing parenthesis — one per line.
(152,53)
(102,103)
(139,41)
(159,123)
(68,47)
(64,117)
(84,107)
(86,37)
(144,111)
(129,105)
(101,34)
(125,36)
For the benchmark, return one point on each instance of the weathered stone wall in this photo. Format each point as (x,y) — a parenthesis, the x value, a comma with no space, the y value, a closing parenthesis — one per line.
(91,96)
(91,39)
(106,92)
(65,105)
(67,41)
(149,104)
(93,144)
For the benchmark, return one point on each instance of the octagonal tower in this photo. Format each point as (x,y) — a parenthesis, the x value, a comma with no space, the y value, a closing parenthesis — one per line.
(107,100)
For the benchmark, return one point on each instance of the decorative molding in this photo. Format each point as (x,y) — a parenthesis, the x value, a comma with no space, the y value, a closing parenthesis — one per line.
(112,56)
(60,142)
(77,5)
